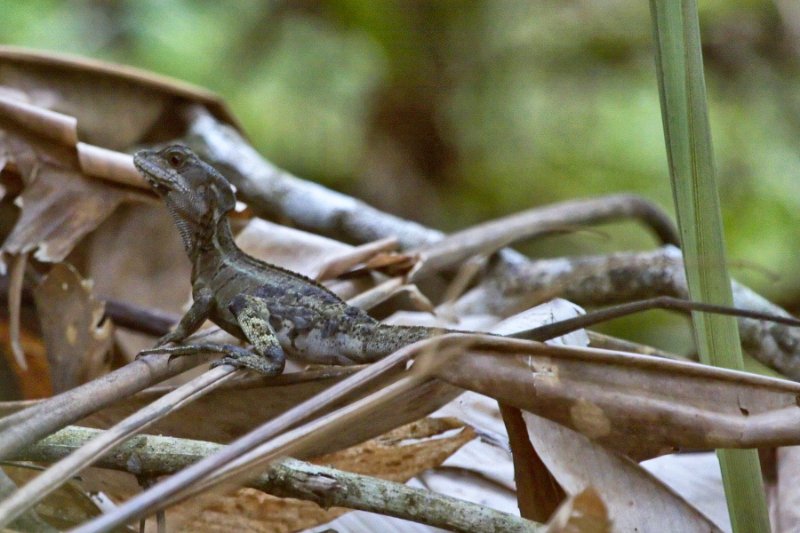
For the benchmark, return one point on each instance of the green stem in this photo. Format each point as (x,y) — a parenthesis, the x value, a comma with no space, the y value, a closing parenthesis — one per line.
(687,133)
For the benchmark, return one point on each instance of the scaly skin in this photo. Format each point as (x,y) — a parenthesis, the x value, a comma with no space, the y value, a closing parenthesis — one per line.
(277,311)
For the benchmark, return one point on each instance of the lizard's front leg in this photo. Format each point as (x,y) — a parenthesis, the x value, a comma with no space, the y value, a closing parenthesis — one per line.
(190,322)
(266,355)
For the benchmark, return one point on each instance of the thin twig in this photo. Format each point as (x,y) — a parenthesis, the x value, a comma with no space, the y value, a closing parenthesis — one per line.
(622,277)
(49,480)
(269,433)
(288,478)
(31,424)
(275,194)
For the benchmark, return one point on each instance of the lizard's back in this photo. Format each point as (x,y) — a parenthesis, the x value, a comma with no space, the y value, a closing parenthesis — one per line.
(310,321)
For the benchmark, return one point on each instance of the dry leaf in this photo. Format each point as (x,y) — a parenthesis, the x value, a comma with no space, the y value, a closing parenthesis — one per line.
(583,513)
(48,102)
(137,256)
(59,205)
(403,452)
(225,413)
(641,406)
(78,340)
(337,266)
(32,383)
(296,250)
(633,497)
(116,106)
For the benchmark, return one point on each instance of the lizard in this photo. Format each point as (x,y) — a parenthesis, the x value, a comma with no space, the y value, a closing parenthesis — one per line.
(280,312)
(277,311)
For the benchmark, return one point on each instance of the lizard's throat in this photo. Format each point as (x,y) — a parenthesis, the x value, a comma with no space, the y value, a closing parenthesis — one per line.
(192,233)
(203,238)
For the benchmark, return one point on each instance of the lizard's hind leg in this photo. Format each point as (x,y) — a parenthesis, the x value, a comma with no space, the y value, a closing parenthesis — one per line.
(266,355)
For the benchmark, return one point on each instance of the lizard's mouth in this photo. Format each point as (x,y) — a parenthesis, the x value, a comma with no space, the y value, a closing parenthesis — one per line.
(159,187)
(150,172)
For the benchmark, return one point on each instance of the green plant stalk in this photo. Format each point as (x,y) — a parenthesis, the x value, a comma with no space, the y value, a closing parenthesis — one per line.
(679,65)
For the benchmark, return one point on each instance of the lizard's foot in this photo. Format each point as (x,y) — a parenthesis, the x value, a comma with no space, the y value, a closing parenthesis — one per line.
(249,360)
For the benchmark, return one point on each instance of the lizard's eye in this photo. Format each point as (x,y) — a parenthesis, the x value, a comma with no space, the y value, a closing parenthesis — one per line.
(175,159)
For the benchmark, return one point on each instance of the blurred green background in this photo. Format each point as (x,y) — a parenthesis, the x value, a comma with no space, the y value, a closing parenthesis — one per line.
(454,112)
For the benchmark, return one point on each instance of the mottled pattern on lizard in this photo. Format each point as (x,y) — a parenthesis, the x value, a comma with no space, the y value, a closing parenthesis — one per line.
(275,310)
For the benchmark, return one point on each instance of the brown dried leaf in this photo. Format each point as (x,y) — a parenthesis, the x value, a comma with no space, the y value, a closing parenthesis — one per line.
(641,406)
(226,413)
(77,339)
(583,513)
(32,383)
(393,264)
(632,496)
(297,250)
(59,204)
(337,266)
(538,493)
(136,256)
(48,102)
(115,105)
(404,452)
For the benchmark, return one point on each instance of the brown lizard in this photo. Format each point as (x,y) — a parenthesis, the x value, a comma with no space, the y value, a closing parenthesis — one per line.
(280,312)
(275,310)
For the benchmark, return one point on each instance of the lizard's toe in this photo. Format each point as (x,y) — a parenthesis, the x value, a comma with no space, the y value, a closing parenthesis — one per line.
(152,351)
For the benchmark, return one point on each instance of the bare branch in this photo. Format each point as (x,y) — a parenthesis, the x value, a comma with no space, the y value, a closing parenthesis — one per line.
(49,480)
(288,478)
(276,194)
(31,424)
(622,277)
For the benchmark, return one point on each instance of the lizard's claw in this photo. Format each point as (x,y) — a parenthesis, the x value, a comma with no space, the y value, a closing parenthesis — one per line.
(152,351)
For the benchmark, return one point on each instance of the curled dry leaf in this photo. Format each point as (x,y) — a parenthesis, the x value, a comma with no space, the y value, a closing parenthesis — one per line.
(633,497)
(226,413)
(297,250)
(403,452)
(641,406)
(93,91)
(50,102)
(337,266)
(77,339)
(59,204)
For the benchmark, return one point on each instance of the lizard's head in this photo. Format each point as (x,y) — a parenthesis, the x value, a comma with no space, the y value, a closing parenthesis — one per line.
(193,190)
